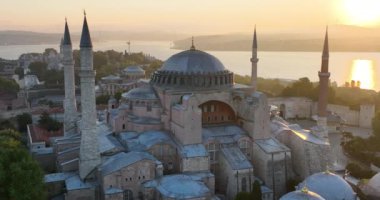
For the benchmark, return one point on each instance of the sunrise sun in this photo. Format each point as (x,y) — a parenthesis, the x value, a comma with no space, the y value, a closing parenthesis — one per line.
(363,71)
(361,12)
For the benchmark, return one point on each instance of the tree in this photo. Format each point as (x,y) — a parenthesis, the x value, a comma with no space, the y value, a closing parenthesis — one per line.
(20,176)
(8,86)
(39,69)
(102,99)
(20,72)
(301,88)
(376,125)
(243,196)
(117,96)
(6,124)
(23,120)
(49,123)
(256,191)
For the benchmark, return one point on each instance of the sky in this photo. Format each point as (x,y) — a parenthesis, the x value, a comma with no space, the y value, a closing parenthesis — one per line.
(186,16)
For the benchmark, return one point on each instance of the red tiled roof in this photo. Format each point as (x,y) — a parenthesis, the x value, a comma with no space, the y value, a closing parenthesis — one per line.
(39,134)
(53,110)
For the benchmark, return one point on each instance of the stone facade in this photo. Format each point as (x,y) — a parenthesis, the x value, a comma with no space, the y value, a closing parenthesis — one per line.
(273,164)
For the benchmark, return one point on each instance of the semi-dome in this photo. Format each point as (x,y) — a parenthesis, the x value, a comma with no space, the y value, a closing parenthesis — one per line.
(330,186)
(144,92)
(303,194)
(192,69)
(193,61)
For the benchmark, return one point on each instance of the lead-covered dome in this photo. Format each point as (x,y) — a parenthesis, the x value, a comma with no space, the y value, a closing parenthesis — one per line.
(192,69)
(330,186)
(193,61)
(303,194)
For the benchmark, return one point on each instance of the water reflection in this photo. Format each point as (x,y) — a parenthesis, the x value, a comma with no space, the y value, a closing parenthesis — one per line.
(362,74)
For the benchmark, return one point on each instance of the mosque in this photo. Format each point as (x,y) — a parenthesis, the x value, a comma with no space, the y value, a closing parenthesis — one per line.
(189,133)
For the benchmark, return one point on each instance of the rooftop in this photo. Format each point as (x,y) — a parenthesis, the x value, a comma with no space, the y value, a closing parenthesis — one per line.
(75,183)
(144,92)
(194,150)
(39,134)
(145,140)
(236,159)
(122,159)
(271,145)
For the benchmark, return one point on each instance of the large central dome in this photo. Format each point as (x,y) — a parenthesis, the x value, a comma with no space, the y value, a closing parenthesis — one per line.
(192,69)
(193,61)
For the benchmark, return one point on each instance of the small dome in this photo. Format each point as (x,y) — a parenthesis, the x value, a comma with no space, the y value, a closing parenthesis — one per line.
(330,186)
(182,187)
(111,78)
(193,61)
(374,182)
(134,70)
(144,92)
(303,194)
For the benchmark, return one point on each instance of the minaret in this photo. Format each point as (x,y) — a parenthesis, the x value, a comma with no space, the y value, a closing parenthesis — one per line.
(89,149)
(324,76)
(254,61)
(70,106)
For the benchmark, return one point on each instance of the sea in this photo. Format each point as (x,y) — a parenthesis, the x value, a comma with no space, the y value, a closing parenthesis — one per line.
(272,64)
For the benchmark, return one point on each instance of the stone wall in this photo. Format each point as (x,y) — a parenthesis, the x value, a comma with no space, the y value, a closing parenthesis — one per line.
(195,164)
(367,112)
(82,194)
(275,166)
(229,181)
(130,177)
(293,107)
(307,157)
(301,107)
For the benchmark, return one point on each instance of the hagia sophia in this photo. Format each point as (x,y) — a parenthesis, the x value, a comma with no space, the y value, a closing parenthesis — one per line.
(190,132)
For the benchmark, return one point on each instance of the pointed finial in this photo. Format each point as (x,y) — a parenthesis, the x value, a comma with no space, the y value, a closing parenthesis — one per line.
(192,43)
(65,19)
(84,12)
(304,189)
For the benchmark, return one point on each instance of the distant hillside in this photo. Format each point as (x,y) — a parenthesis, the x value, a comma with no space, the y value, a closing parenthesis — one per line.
(341,38)
(31,38)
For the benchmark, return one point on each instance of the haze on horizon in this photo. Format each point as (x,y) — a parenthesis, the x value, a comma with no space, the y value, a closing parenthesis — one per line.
(185,16)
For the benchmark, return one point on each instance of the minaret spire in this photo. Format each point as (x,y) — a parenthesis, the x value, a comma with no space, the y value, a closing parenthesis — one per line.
(254,43)
(70,106)
(254,61)
(324,76)
(66,35)
(85,40)
(325,53)
(89,149)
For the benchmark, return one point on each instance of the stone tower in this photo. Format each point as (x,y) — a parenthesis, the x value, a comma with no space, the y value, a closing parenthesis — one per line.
(89,149)
(324,76)
(70,115)
(254,61)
